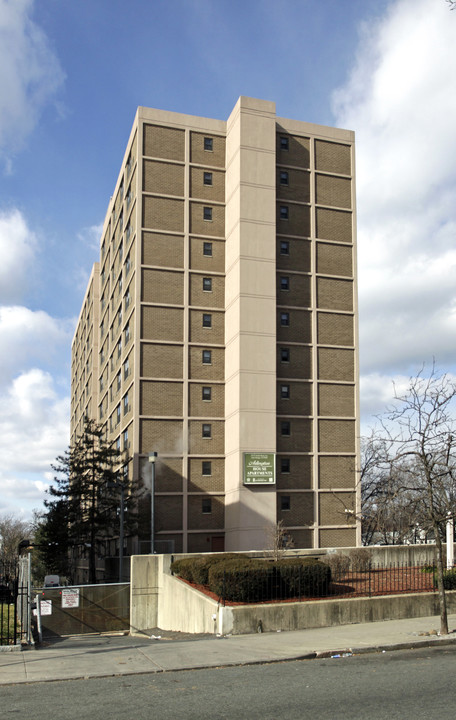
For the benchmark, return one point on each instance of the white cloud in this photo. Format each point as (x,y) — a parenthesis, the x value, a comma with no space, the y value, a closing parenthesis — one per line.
(28,336)
(30,73)
(18,247)
(400,99)
(34,429)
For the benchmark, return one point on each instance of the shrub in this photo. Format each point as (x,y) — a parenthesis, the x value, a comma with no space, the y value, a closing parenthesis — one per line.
(196,569)
(256,580)
(360,559)
(339,564)
(449,579)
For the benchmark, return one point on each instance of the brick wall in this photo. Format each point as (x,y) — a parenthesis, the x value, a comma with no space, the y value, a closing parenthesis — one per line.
(163,178)
(159,323)
(299,292)
(299,330)
(197,520)
(204,408)
(299,401)
(214,192)
(197,482)
(336,400)
(337,472)
(202,298)
(336,436)
(334,259)
(335,294)
(297,153)
(161,398)
(164,250)
(333,505)
(206,263)
(334,225)
(161,360)
(333,191)
(164,142)
(162,286)
(163,214)
(214,445)
(168,475)
(300,439)
(298,222)
(298,257)
(332,157)
(200,226)
(300,475)
(336,364)
(199,371)
(338,538)
(335,329)
(163,436)
(300,364)
(214,158)
(168,512)
(298,187)
(301,510)
(200,334)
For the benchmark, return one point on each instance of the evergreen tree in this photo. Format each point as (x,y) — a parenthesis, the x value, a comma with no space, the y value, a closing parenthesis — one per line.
(83,512)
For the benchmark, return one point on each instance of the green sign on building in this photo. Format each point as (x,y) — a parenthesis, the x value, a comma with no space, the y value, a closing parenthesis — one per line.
(259,468)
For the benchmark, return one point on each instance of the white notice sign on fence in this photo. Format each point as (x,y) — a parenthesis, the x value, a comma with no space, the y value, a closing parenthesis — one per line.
(70,597)
(46,607)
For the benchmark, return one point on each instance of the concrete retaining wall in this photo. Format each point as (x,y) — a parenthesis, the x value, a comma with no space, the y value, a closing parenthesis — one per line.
(158,599)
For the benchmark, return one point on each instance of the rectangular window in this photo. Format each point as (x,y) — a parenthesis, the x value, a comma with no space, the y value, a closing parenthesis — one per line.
(126,368)
(206,506)
(127,334)
(285,428)
(117,414)
(126,444)
(127,264)
(285,319)
(207,249)
(126,404)
(207,393)
(119,381)
(206,467)
(127,299)
(285,502)
(283,177)
(207,178)
(285,392)
(284,465)
(118,444)
(208,144)
(284,212)
(284,143)
(207,357)
(284,354)
(207,213)
(206,430)
(207,320)
(284,247)
(207,284)
(119,348)
(284,283)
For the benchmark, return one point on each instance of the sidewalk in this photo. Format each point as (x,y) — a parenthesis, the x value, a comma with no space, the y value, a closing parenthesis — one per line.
(108,655)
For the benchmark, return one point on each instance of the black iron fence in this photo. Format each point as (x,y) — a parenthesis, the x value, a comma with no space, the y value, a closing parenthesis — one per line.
(369,581)
(13,605)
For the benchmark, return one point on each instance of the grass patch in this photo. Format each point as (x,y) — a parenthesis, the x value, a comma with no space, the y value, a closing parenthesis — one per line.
(6,624)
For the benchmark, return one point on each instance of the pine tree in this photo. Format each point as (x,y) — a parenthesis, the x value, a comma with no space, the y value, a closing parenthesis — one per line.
(86,495)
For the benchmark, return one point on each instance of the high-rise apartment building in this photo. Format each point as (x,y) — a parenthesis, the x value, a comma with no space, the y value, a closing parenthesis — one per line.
(219,328)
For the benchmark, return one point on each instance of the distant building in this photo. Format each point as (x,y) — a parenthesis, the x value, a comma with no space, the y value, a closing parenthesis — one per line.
(222,320)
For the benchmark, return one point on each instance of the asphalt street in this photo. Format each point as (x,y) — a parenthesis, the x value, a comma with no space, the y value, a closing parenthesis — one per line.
(416,684)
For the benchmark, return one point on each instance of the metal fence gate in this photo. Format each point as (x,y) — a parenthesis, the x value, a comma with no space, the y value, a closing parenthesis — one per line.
(15,601)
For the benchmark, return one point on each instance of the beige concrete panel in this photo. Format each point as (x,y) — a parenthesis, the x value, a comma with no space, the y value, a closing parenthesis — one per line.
(257,278)
(257,392)
(257,314)
(257,168)
(257,430)
(232,396)
(257,204)
(258,132)
(233,177)
(255,353)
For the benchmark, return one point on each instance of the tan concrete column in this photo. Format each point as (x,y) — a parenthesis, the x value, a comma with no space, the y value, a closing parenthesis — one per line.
(250,317)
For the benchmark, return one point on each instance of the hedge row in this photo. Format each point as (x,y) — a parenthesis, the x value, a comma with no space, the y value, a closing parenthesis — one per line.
(242,579)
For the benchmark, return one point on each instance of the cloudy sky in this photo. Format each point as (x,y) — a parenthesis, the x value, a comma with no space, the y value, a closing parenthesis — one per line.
(71,77)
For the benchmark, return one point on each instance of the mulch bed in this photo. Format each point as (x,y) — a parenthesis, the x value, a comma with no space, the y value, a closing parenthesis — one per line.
(389,581)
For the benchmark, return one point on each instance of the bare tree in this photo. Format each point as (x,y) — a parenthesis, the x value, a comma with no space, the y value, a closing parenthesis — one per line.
(12,531)
(279,540)
(419,448)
